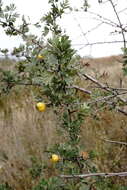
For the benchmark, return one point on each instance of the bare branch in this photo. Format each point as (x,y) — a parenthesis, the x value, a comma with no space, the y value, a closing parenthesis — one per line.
(105,98)
(116,142)
(80,27)
(88,77)
(98,43)
(121,11)
(103,19)
(81,89)
(102,86)
(94,28)
(122,111)
(120,23)
(90,30)
(112,88)
(120,174)
(119,89)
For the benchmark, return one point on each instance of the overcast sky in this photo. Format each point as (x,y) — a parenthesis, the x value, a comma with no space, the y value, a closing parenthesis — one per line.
(78,25)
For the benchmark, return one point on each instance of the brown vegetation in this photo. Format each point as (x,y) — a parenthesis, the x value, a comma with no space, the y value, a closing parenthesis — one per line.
(106,69)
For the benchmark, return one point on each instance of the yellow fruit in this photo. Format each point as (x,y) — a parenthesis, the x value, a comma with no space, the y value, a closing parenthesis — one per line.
(40,57)
(55,158)
(41,106)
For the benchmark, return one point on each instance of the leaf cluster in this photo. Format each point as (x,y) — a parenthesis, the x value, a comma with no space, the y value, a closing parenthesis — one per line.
(56,11)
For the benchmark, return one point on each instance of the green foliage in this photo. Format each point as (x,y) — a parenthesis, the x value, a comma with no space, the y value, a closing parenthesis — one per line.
(36,168)
(53,183)
(107,184)
(85,5)
(8,78)
(4,51)
(5,187)
(20,66)
(72,123)
(18,52)
(8,18)
(57,10)
(59,49)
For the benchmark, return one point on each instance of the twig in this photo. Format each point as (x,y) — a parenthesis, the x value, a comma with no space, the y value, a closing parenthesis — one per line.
(122,10)
(120,174)
(98,43)
(24,35)
(80,27)
(122,111)
(116,142)
(108,21)
(81,89)
(106,98)
(120,24)
(103,19)
(88,77)
(102,86)
(112,88)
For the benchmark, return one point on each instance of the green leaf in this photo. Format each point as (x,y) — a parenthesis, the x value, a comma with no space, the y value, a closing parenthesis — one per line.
(84,187)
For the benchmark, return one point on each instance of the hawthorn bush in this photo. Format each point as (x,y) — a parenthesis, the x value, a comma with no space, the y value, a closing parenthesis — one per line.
(53,66)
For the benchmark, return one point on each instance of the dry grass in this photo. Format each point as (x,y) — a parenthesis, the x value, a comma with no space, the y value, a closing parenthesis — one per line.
(24,132)
(111,126)
(107,70)
(7,64)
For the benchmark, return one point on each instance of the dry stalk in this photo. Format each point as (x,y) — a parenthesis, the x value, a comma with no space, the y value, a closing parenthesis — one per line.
(120,174)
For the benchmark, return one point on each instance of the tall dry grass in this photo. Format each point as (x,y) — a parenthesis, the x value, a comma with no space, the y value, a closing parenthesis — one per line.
(106,69)
(24,133)
(7,64)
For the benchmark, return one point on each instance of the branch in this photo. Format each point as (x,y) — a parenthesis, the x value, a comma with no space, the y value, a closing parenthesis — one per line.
(112,88)
(103,19)
(81,89)
(94,28)
(88,77)
(120,174)
(24,35)
(120,24)
(107,98)
(102,86)
(116,142)
(90,30)
(116,89)
(98,43)
(108,21)
(122,111)
(80,27)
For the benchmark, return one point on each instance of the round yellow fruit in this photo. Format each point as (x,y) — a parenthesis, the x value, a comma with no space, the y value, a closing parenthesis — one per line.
(40,57)
(55,158)
(41,106)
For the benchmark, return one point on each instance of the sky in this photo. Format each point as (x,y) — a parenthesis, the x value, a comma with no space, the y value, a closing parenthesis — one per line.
(83,28)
